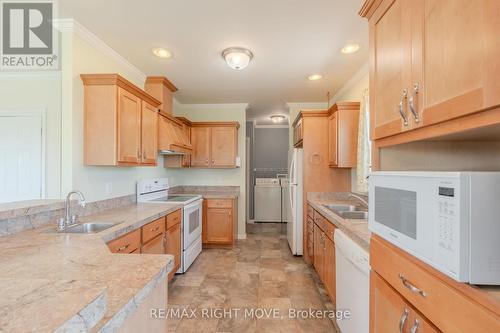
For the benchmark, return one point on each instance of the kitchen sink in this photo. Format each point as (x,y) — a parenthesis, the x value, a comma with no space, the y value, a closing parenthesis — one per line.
(354,215)
(342,208)
(89,228)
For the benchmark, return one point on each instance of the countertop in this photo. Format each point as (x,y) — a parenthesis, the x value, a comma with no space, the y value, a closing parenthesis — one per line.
(55,281)
(356,229)
(208,192)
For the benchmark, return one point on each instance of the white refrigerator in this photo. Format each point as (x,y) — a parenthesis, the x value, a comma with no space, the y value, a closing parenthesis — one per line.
(294,228)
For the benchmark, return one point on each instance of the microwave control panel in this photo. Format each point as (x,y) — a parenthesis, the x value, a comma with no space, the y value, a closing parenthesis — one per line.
(447,213)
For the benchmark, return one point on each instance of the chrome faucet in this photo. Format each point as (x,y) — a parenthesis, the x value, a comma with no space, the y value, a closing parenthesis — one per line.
(70,219)
(352,195)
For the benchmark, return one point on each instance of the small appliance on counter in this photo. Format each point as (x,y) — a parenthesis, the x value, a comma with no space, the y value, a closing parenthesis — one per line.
(156,191)
(449,220)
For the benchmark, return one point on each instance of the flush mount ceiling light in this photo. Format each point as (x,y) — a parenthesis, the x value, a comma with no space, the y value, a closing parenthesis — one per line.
(237,57)
(162,53)
(277,118)
(350,48)
(314,77)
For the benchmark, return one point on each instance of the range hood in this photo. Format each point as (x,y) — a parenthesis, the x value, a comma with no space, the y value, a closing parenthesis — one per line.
(171,152)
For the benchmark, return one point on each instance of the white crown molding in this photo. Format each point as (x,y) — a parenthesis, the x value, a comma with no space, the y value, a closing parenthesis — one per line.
(71,25)
(221,106)
(307,105)
(31,75)
(362,72)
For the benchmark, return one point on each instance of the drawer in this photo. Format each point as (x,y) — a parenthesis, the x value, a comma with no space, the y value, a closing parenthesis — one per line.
(310,211)
(325,225)
(219,203)
(174,218)
(433,294)
(153,229)
(128,243)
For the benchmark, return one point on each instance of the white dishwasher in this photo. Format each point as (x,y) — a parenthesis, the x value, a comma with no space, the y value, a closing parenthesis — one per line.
(267,200)
(352,270)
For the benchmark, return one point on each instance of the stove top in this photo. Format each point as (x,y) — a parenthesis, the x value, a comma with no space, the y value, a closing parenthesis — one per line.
(176,198)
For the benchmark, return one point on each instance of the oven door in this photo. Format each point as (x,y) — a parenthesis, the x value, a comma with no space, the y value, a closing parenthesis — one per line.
(192,223)
(400,211)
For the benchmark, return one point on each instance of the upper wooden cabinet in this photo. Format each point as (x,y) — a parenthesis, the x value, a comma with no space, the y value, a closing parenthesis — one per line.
(431,62)
(343,124)
(298,133)
(120,122)
(215,145)
(163,90)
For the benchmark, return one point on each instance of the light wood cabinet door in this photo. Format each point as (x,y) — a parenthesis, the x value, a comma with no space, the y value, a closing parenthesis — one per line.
(390,67)
(389,312)
(129,127)
(173,245)
(149,134)
(318,260)
(330,268)
(223,148)
(459,51)
(200,140)
(127,243)
(219,226)
(155,245)
(333,140)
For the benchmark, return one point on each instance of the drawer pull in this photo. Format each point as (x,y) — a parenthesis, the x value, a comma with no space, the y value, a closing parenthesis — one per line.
(401,110)
(123,248)
(155,229)
(411,287)
(414,328)
(402,321)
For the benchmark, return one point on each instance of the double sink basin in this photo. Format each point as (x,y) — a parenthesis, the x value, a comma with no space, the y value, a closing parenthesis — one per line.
(348,211)
(88,228)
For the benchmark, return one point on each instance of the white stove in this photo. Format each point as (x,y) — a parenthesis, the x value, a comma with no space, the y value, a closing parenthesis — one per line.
(156,191)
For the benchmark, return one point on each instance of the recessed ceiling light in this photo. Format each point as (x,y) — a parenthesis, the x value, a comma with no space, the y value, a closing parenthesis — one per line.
(350,48)
(314,77)
(237,57)
(162,53)
(277,118)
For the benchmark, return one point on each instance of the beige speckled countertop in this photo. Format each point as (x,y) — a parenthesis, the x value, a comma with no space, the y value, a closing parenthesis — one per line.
(53,281)
(356,229)
(208,192)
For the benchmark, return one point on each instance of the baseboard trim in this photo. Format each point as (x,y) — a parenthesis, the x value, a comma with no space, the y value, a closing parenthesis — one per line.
(242,236)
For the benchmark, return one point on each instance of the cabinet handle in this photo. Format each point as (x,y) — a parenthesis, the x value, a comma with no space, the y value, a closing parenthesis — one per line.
(401,104)
(138,153)
(411,287)
(414,328)
(144,154)
(155,229)
(411,102)
(402,321)
(123,248)
(213,161)
(206,161)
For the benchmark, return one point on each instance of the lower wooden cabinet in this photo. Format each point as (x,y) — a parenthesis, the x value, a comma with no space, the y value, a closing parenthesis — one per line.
(173,246)
(128,243)
(219,222)
(391,313)
(154,246)
(319,258)
(309,240)
(329,269)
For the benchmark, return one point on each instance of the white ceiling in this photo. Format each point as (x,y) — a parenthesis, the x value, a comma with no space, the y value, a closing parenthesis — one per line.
(290,39)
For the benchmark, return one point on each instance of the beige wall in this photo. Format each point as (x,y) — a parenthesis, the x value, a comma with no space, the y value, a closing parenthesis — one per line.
(38,91)
(235,177)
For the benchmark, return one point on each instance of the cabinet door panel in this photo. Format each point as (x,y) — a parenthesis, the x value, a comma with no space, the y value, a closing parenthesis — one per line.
(154,246)
(173,245)
(330,269)
(332,140)
(223,147)
(318,252)
(390,57)
(129,127)
(456,50)
(149,134)
(219,226)
(200,140)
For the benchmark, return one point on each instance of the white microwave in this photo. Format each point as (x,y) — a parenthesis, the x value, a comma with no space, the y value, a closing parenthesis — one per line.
(450,220)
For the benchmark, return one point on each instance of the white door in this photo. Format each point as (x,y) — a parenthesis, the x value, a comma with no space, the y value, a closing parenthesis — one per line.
(21,157)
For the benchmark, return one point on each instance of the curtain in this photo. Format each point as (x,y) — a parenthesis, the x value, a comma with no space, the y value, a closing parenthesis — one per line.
(364,144)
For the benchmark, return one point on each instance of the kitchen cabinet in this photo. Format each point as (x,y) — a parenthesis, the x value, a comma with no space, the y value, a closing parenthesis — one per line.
(120,122)
(343,124)
(173,246)
(128,243)
(163,90)
(154,246)
(215,145)
(319,251)
(219,222)
(174,136)
(391,313)
(298,134)
(432,62)
(153,237)
(310,239)
(444,303)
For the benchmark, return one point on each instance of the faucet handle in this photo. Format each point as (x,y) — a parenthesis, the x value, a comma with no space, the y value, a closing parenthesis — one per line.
(61,224)
(74,218)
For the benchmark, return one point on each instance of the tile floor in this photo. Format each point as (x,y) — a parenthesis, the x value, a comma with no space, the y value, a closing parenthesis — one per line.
(259,272)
